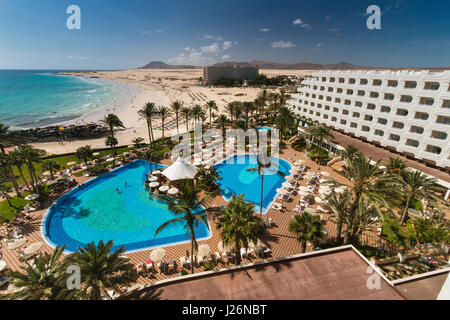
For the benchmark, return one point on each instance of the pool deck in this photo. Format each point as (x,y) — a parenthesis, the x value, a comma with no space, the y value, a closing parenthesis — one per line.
(282,242)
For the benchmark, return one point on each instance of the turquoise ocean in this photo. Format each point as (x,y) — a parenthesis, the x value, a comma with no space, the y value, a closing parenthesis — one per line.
(40,98)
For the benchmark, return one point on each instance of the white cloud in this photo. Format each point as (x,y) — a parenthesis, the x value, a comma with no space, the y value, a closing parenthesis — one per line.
(283,44)
(77,57)
(211,48)
(227,56)
(159,31)
(265,30)
(328,17)
(229,44)
(187,49)
(145,31)
(297,22)
(319,45)
(212,37)
(194,57)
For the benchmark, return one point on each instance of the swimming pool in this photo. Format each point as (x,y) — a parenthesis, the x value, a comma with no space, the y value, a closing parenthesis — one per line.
(96,211)
(263,129)
(236,180)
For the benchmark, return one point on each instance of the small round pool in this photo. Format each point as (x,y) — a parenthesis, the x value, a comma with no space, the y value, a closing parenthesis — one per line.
(263,129)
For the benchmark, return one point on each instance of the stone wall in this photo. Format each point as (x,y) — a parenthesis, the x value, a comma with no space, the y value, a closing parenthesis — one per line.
(53,133)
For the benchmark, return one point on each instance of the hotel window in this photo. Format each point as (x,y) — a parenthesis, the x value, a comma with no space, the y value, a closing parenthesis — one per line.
(412,143)
(402,112)
(312,104)
(421,116)
(353,125)
(358,104)
(341,80)
(410,84)
(332,79)
(325,116)
(347,102)
(371,106)
(349,91)
(416,129)
(432,86)
(321,97)
(382,121)
(379,132)
(351,81)
(337,100)
(439,135)
(328,98)
(311,112)
(324,79)
(368,117)
(345,112)
(319,106)
(361,93)
(394,137)
(407,99)
(343,121)
(356,115)
(443,120)
(392,83)
(330,89)
(307,94)
(388,96)
(374,94)
(322,88)
(398,125)
(365,128)
(335,110)
(385,109)
(313,96)
(327,107)
(427,101)
(334,119)
(433,149)
(305,110)
(377,82)
(315,87)
(339,90)
(446,104)
(306,102)
(363,82)
(317,114)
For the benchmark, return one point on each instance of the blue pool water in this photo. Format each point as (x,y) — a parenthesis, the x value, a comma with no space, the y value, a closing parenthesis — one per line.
(263,129)
(237,180)
(97,212)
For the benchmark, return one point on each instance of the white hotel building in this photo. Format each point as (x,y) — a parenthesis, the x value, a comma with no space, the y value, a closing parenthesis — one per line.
(408,111)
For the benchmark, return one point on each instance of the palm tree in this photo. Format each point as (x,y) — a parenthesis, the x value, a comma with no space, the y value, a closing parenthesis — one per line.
(51,165)
(211,105)
(5,190)
(112,121)
(18,160)
(321,133)
(230,108)
(338,204)
(84,153)
(395,166)
(263,97)
(416,185)
(197,112)
(31,156)
(163,113)
(284,120)
(42,280)
(176,108)
(6,163)
(112,143)
(207,178)
(7,138)
(247,108)
(101,269)
(147,113)
(222,122)
(239,225)
(307,228)
(349,152)
(186,113)
(189,210)
(153,156)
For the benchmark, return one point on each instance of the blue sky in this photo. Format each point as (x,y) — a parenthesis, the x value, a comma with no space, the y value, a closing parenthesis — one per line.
(119,34)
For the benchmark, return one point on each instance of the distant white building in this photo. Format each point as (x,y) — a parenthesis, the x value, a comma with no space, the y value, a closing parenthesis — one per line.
(408,111)
(211,74)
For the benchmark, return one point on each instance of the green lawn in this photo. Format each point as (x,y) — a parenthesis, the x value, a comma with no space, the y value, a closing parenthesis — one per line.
(392,230)
(8,212)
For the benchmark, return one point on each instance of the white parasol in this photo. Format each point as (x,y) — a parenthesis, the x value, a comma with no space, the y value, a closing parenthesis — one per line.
(158,254)
(163,189)
(32,248)
(71,163)
(203,250)
(153,179)
(180,170)
(16,244)
(154,184)
(3,265)
(172,192)
(304,193)
(32,197)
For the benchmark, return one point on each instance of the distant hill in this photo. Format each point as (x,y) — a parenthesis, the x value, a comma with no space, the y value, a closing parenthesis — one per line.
(162,65)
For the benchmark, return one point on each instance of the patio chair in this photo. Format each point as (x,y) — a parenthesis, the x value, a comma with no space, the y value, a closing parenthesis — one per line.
(171,266)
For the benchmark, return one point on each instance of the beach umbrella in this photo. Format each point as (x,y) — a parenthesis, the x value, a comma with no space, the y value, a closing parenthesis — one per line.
(197,162)
(153,179)
(223,248)
(32,248)
(158,254)
(16,244)
(304,193)
(156,172)
(287,185)
(32,197)
(96,154)
(71,163)
(154,184)
(163,189)
(340,189)
(3,265)
(180,170)
(172,192)
(203,250)
(325,174)
(303,188)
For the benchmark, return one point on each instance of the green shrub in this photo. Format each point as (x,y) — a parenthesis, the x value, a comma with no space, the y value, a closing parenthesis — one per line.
(208,266)
(184,272)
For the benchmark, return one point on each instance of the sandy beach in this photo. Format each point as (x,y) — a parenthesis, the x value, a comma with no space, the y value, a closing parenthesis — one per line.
(160,87)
